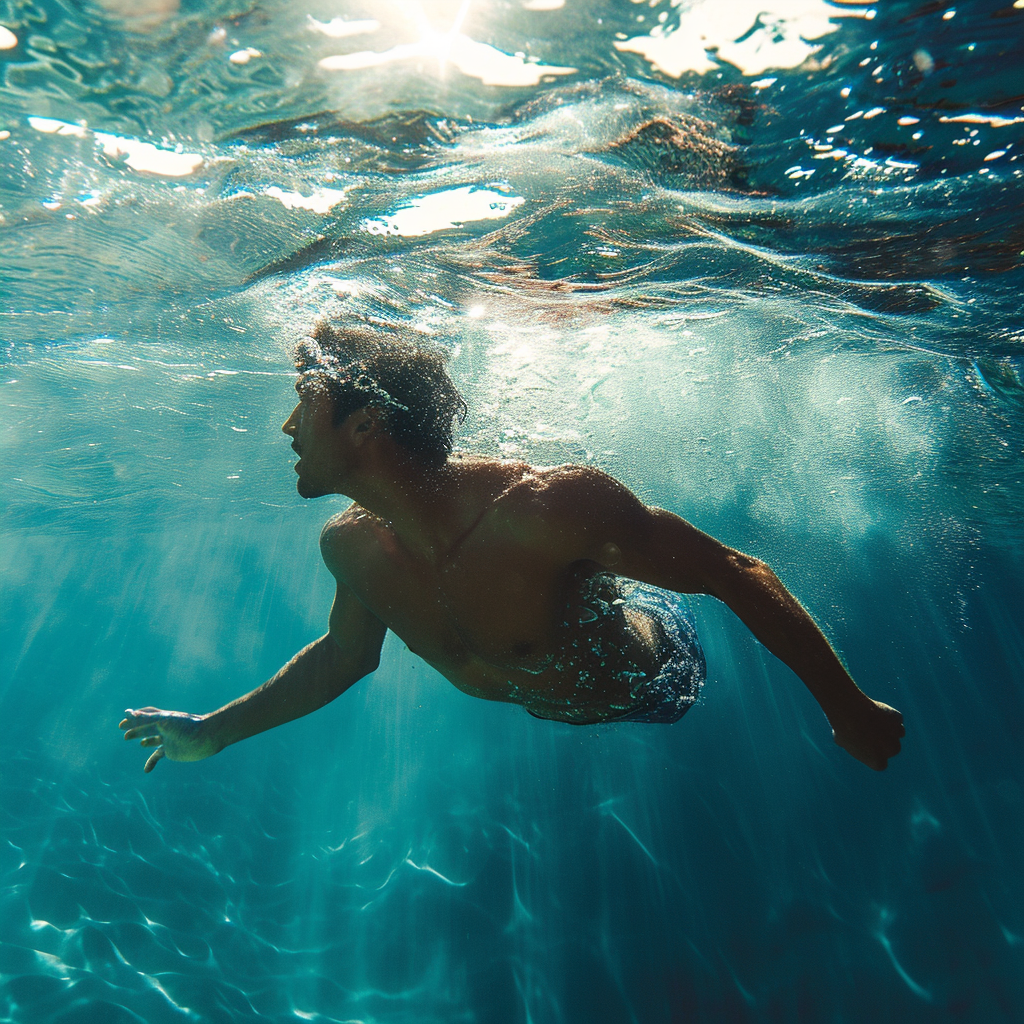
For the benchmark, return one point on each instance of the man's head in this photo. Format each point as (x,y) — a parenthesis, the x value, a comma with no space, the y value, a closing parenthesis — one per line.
(401,384)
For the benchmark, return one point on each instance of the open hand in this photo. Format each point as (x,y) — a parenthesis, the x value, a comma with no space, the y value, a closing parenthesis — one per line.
(175,734)
(871,733)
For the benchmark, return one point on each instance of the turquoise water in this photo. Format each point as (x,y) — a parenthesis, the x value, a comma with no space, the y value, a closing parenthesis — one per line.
(762,262)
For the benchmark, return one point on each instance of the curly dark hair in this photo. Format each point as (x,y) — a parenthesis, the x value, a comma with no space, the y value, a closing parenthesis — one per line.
(407,380)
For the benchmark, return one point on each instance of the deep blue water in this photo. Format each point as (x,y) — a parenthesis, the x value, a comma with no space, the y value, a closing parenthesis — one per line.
(761,261)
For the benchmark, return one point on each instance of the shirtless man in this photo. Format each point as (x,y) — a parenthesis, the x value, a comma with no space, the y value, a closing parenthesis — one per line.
(554,588)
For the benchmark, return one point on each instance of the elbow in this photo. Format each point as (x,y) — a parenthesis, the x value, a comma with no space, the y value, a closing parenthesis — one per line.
(362,663)
(763,576)
(369,665)
(348,664)
(742,573)
(748,566)
(345,675)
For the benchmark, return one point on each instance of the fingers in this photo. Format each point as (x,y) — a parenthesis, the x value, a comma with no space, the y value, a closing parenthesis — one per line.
(148,733)
(131,713)
(142,731)
(141,724)
(138,714)
(144,725)
(131,719)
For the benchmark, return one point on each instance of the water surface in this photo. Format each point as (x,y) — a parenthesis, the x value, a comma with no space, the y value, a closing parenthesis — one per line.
(763,263)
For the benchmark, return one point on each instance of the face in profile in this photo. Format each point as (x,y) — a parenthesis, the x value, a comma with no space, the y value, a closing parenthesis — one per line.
(315,439)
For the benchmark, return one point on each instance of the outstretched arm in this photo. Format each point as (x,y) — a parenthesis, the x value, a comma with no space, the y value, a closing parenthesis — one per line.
(314,677)
(597,518)
(680,557)
(672,553)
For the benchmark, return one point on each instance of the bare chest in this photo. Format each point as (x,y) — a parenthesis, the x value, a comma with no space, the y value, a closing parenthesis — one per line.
(495,602)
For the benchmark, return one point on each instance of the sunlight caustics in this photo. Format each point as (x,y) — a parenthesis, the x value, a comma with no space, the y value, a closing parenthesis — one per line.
(339,28)
(321,200)
(474,59)
(437,211)
(50,126)
(989,119)
(138,155)
(779,34)
(244,56)
(717,290)
(920,991)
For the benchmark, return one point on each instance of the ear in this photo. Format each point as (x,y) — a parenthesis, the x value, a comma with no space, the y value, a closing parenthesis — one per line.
(365,423)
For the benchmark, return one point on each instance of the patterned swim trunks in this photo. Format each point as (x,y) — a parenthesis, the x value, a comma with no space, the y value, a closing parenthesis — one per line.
(662,697)
(676,687)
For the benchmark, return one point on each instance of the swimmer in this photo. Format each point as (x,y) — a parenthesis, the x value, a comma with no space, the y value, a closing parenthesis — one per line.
(554,588)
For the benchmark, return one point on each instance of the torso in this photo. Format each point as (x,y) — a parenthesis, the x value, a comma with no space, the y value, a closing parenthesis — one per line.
(495,614)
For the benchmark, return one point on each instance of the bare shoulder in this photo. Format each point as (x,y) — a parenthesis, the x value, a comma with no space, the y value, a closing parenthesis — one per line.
(572,489)
(571,509)
(485,481)
(481,472)
(346,534)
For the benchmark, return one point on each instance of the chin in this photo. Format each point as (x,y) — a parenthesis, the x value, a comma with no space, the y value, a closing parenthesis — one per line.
(308,490)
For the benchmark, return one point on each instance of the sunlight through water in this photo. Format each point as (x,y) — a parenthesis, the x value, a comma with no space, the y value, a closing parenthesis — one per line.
(762,262)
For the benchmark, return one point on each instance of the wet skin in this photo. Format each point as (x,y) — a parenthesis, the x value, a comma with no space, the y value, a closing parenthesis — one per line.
(493,602)
(503,614)
(480,567)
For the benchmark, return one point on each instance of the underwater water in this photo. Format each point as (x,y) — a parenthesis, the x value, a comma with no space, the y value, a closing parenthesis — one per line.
(763,262)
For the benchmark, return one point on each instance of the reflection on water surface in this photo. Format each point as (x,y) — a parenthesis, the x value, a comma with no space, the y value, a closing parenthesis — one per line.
(761,262)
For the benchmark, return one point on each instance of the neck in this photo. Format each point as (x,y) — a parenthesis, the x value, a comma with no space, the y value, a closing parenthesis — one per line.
(419,503)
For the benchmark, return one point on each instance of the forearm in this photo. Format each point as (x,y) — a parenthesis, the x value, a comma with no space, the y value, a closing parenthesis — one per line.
(313,678)
(781,623)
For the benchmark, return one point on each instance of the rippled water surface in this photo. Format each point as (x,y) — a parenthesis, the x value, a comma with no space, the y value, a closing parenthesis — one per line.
(762,261)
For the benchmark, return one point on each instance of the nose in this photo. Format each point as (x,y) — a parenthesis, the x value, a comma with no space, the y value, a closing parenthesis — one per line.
(291,425)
